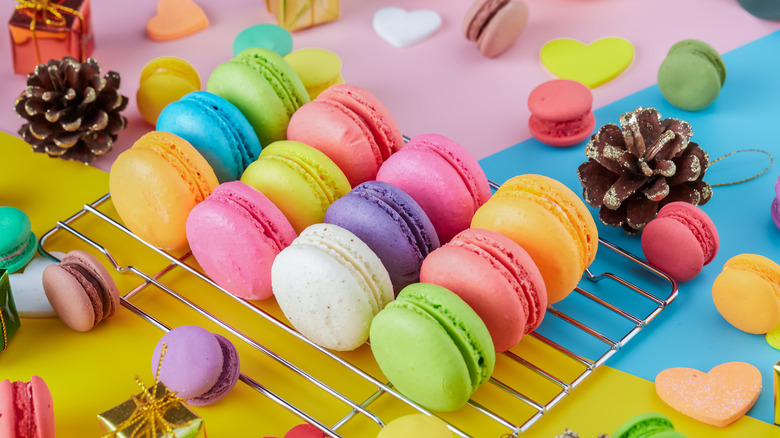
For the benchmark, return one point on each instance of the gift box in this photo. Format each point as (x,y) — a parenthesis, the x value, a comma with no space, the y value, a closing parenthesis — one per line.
(299,14)
(154,413)
(42,30)
(9,319)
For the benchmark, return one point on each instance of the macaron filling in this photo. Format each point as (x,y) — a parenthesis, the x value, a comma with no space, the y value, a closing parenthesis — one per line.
(561,128)
(277,79)
(697,228)
(24,409)
(462,337)
(258,218)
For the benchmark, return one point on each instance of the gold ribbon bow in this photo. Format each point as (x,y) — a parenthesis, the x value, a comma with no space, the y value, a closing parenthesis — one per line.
(50,12)
(149,409)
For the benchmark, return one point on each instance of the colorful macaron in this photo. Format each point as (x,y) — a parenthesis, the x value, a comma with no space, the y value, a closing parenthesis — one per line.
(442,177)
(235,234)
(391,223)
(266,35)
(200,366)
(216,128)
(745,293)
(18,243)
(329,285)
(317,68)
(692,75)
(26,409)
(561,112)
(155,184)
(681,240)
(302,181)
(550,222)
(416,425)
(774,209)
(495,24)
(80,290)
(433,347)
(763,9)
(650,425)
(352,127)
(261,84)
(496,277)
(164,80)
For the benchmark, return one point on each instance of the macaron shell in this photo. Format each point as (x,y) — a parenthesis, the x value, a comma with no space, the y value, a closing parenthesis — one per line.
(69,299)
(650,425)
(35,399)
(416,425)
(235,234)
(317,68)
(18,245)
(503,29)
(670,246)
(561,112)
(775,212)
(764,9)
(747,293)
(43,406)
(164,80)
(192,363)
(689,79)
(231,370)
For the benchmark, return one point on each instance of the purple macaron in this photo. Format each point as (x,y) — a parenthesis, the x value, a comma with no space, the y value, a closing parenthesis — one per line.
(775,209)
(200,366)
(391,223)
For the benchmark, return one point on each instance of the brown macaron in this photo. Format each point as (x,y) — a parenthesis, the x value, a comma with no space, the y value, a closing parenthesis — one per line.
(80,290)
(495,24)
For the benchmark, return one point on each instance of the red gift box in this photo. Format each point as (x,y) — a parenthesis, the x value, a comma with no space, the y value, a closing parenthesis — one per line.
(49,29)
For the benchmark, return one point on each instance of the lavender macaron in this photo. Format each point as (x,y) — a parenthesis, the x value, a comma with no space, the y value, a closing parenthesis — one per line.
(391,223)
(200,366)
(775,209)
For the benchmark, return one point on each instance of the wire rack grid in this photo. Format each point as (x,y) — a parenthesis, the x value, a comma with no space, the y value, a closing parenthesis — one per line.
(512,422)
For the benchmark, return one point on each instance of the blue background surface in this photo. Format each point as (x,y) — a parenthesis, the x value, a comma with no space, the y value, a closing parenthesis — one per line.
(691,332)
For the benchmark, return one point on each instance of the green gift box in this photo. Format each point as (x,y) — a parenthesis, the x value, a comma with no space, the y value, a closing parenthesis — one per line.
(154,413)
(9,319)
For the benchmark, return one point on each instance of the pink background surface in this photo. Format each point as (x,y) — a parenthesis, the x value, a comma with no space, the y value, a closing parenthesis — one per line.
(440,85)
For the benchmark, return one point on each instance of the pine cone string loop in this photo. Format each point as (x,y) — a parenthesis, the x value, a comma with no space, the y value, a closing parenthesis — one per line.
(72,112)
(637,167)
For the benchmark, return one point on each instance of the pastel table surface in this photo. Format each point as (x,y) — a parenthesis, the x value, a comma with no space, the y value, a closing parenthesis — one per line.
(481,104)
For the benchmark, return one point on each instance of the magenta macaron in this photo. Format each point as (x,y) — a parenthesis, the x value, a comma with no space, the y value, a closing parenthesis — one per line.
(775,208)
(200,366)
(561,112)
(681,240)
(235,234)
(442,177)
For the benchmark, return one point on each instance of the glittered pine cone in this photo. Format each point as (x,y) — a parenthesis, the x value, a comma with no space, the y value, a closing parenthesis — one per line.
(636,168)
(72,112)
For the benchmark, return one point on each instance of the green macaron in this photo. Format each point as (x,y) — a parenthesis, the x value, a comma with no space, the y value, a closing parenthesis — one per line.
(432,347)
(650,425)
(263,86)
(18,244)
(692,75)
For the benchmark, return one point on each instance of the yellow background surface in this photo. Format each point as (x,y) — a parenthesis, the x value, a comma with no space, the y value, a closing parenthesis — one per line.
(89,373)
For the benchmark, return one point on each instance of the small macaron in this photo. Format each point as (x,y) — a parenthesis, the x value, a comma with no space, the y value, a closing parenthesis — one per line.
(265,35)
(692,75)
(26,409)
(774,210)
(216,128)
(80,290)
(200,366)
(495,24)
(164,80)
(304,431)
(416,425)
(317,68)
(18,243)
(681,240)
(763,9)
(650,425)
(747,293)
(561,112)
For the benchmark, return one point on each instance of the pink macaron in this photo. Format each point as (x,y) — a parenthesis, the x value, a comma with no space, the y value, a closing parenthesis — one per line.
(561,112)
(496,277)
(352,127)
(775,207)
(681,240)
(235,234)
(442,177)
(200,366)
(495,24)
(26,409)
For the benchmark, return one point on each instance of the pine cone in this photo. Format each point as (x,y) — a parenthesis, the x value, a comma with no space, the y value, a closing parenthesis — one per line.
(635,169)
(71,112)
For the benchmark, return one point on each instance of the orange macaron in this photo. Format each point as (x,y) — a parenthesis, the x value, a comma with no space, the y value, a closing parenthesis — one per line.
(550,222)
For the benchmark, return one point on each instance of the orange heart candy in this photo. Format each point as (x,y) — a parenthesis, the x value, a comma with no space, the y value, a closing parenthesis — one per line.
(176,19)
(719,397)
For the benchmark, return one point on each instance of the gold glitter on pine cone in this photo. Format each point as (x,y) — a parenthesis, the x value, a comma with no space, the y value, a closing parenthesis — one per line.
(636,168)
(71,111)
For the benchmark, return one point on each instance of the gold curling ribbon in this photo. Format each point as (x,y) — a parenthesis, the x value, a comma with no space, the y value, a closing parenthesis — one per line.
(149,410)
(50,13)
(5,336)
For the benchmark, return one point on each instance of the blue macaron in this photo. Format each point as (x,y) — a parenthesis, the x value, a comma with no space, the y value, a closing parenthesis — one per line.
(18,244)
(391,223)
(216,128)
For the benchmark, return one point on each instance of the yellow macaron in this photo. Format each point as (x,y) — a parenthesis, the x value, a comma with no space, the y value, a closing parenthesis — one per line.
(164,80)
(747,293)
(317,68)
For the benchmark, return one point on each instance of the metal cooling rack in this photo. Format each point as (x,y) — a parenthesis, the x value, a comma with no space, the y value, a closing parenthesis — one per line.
(579,366)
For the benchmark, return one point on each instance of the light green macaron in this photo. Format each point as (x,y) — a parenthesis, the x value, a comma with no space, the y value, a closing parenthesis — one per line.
(692,75)
(432,347)
(650,425)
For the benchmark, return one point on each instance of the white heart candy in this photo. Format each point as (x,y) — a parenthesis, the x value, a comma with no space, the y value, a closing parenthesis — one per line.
(27,287)
(403,28)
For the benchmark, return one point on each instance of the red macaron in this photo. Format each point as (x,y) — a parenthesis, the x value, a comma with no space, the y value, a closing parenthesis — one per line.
(26,409)
(561,112)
